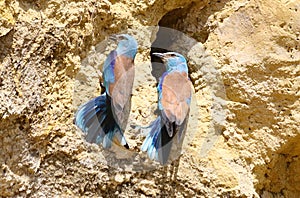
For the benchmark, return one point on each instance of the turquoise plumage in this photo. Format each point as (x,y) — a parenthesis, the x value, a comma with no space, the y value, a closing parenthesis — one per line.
(174,97)
(104,118)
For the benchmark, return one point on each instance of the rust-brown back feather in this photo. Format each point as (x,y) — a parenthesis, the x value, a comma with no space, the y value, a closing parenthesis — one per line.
(121,89)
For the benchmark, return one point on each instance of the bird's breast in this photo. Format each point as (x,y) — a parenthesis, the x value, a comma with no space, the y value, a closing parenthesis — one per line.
(176,91)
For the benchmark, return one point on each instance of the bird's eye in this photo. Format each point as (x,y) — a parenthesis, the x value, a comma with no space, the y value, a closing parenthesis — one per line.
(173,55)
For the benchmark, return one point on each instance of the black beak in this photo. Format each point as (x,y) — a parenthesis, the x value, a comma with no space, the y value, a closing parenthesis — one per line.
(160,55)
(114,37)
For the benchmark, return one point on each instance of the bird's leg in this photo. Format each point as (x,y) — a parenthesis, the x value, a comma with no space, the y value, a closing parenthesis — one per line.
(165,174)
(176,167)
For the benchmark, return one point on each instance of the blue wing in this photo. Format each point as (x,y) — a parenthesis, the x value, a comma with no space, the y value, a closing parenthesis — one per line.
(159,89)
(108,69)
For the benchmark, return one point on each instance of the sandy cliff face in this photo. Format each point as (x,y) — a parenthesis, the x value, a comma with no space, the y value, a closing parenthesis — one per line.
(246,74)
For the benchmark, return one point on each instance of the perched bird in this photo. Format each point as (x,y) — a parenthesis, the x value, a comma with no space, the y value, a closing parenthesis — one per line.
(174,97)
(104,118)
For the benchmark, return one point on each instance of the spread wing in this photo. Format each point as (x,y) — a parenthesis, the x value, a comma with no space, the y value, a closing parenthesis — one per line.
(176,92)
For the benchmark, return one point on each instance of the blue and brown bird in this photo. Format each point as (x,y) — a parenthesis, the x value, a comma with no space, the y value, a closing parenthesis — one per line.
(104,118)
(174,98)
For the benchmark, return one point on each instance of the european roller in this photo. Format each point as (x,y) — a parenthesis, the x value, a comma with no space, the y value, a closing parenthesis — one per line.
(104,118)
(174,98)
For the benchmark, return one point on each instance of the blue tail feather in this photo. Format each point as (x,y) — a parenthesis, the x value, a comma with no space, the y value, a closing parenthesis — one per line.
(151,140)
(95,119)
(86,112)
(96,113)
(158,143)
(155,145)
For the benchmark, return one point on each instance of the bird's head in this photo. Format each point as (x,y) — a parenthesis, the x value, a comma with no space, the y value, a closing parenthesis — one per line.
(173,61)
(127,45)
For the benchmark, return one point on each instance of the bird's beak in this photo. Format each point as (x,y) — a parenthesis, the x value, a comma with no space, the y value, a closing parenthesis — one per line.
(114,37)
(160,55)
